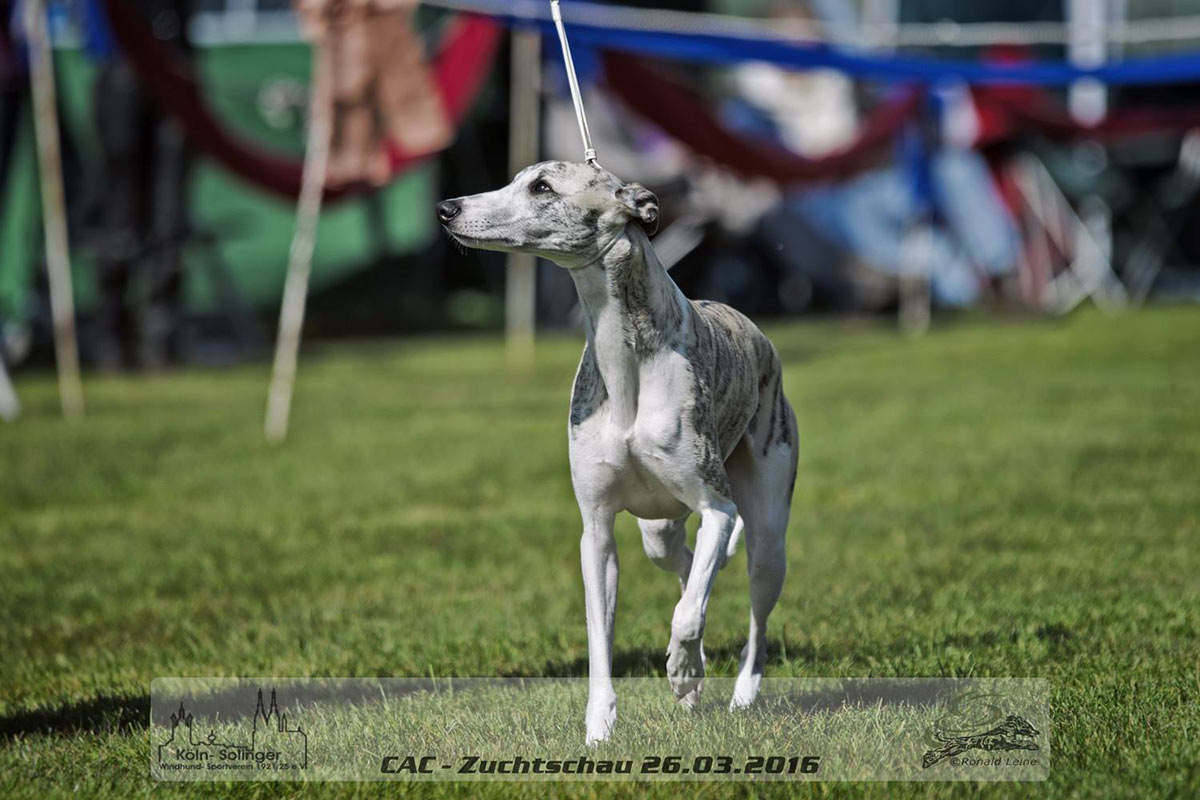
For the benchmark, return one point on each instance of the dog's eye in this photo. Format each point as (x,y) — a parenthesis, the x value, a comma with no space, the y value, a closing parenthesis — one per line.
(540,187)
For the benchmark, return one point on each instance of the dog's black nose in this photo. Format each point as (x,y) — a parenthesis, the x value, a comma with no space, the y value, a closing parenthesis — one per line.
(448,210)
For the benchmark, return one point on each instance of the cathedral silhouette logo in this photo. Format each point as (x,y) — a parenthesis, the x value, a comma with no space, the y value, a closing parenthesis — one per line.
(273,742)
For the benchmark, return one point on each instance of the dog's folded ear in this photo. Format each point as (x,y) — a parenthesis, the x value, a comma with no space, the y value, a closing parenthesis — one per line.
(642,204)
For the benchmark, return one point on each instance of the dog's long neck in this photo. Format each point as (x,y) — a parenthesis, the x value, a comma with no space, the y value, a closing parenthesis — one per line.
(632,310)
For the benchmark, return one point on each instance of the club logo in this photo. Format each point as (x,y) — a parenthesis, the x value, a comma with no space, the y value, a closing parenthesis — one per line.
(270,743)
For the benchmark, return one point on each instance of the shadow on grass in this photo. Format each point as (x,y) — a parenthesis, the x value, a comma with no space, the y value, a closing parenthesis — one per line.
(127,714)
(856,693)
(651,663)
(119,714)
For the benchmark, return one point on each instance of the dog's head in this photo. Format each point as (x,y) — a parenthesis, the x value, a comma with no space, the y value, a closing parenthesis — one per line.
(1018,726)
(559,210)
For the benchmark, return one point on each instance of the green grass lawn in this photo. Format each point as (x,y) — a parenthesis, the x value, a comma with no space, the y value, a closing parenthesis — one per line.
(997,499)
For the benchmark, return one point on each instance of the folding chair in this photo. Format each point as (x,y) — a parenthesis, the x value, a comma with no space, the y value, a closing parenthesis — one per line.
(1082,242)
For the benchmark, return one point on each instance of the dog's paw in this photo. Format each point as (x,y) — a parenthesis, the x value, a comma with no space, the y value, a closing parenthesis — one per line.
(601,719)
(745,691)
(749,679)
(691,701)
(598,737)
(685,669)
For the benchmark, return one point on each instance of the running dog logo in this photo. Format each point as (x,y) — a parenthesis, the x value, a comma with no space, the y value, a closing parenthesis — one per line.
(960,730)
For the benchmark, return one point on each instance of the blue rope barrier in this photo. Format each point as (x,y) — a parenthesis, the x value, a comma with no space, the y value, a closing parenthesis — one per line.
(725,49)
(711,49)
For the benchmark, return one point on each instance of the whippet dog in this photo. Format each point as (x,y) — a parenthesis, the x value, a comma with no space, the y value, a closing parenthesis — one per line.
(677,407)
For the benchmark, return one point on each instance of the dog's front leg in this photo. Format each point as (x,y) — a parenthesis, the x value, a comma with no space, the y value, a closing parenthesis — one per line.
(598,557)
(685,654)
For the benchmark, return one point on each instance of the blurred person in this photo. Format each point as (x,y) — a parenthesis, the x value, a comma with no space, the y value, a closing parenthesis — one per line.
(14,99)
(384,97)
(143,217)
(812,111)
(972,237)
(28,316)
(14,86)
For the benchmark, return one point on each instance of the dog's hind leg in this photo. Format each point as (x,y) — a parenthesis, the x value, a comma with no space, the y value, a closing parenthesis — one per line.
(762,488)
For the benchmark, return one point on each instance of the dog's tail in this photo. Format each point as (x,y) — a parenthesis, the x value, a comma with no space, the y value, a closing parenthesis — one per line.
(731,548)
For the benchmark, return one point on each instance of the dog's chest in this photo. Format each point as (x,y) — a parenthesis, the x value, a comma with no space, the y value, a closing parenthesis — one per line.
(634,444)
(639,469)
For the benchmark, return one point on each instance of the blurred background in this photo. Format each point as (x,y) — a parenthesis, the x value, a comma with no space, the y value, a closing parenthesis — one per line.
(883,176)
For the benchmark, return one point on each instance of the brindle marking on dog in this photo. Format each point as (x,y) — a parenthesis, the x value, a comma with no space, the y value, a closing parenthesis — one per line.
(737,373)
(588,392)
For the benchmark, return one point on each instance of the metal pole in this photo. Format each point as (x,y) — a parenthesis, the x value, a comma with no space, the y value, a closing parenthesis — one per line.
(520,291)
(308,213)
(54,210)
(880,19)
(1087,47)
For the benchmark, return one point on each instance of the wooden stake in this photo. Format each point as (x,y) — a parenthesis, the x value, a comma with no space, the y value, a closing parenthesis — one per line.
(54,210)
(308,213)
(10,406)
(520,291)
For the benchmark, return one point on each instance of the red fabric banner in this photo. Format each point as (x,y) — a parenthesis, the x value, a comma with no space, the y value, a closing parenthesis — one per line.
(678,111)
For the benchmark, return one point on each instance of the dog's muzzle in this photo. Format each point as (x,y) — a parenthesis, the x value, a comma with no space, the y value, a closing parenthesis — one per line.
(448,210)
